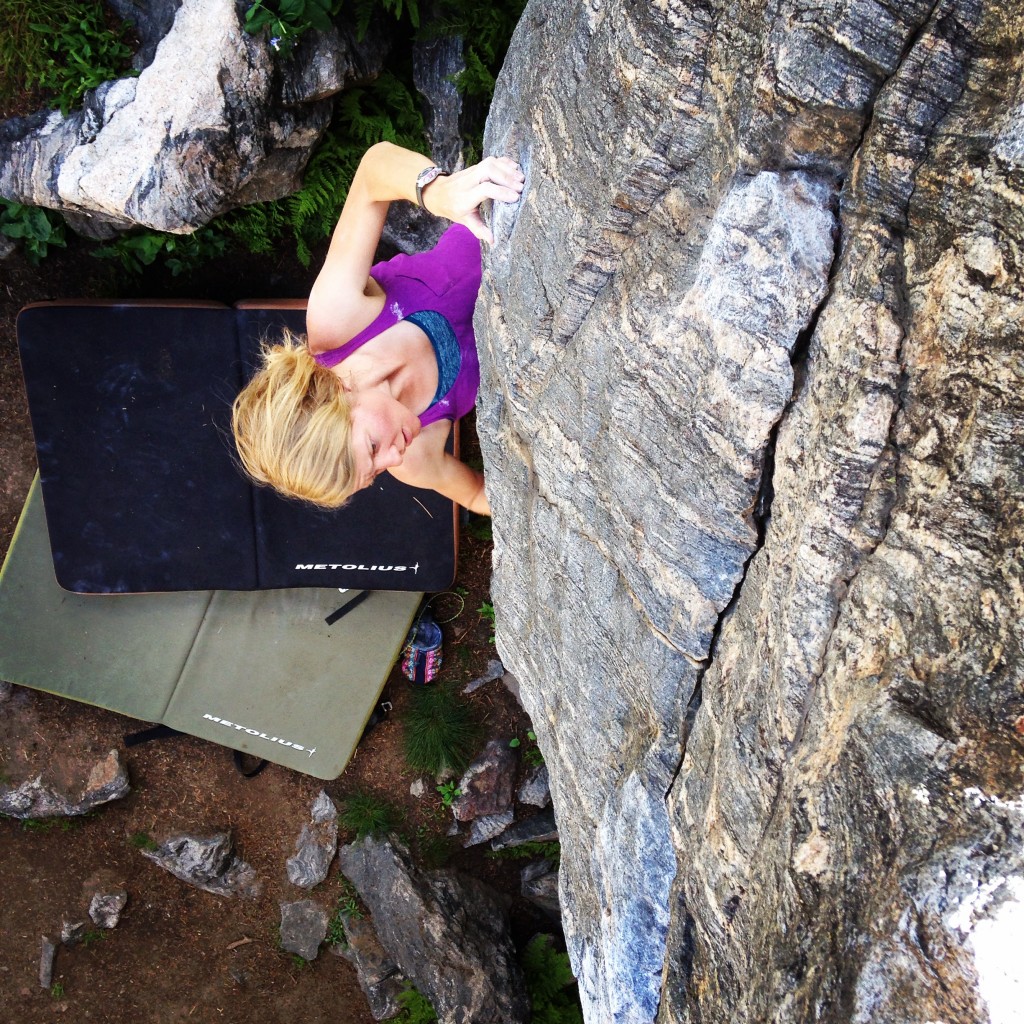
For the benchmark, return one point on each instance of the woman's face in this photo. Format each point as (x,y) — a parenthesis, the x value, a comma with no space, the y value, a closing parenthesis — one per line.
(382,429)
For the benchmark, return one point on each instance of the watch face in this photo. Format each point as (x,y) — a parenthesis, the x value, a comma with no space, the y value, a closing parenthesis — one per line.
(423,179)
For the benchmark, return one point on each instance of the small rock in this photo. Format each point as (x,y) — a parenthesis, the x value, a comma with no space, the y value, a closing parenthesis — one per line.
(488,827)
(207,862)
(512,685)
(107,780)
(47,954)
(541,828)
(71,932)
(495,670)
(379,977)
(536,787)
(316,845)
(539,884)
(487,785)
(418,789)
(105,908)
(303,928)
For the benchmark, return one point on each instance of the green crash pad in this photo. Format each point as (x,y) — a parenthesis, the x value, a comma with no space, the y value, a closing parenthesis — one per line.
(258,671)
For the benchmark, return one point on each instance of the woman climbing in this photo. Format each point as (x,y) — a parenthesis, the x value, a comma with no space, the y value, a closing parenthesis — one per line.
(389,358)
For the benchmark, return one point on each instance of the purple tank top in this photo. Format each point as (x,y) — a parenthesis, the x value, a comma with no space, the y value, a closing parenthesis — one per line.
(444,280)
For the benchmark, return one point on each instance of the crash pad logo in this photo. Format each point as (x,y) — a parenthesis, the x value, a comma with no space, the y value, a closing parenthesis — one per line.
(261,735)
(365,568)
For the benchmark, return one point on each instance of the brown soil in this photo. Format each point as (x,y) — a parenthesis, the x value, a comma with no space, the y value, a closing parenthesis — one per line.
(179,953)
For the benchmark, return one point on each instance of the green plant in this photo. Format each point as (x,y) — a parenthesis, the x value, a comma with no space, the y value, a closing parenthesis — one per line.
(549,980)
(432,849)
(486,613)
(416,1008)
(300,961)
(92,936)
(528,851)
(450,792)
(532,754)
(287,20)
(178,252)
(35,227)
(367,815)
(143,841)
(440,731)
(479,528)
(84,52)
(48,824)
(56,990)
(32,33)
(348,908)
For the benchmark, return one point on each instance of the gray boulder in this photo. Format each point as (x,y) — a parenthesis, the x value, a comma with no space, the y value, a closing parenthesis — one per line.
(536,787)
(379,976)
(751,407)
(105,907)
(208,862)
(538,828)
(303,927)
(69,788)
(316,846)
(539,884)
(211,122)
(447,933)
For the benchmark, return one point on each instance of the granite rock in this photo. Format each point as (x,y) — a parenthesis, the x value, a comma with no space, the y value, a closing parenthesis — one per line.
(447,932)
(751,408)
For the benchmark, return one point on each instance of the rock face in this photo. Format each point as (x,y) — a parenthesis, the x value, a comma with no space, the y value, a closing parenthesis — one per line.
(446,932)
(209,123)
(751,409)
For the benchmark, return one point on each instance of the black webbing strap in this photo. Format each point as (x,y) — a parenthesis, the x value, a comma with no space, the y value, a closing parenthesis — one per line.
(346,608)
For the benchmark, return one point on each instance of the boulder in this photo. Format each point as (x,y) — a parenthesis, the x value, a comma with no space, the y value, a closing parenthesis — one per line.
(379,977)
(211,122)
(316,846)
(487,785)
(536,787)
(303,927)
(447,933)
(69,788)
(751,405)
(105,907)
(539,884)
(538,828)
(206,861)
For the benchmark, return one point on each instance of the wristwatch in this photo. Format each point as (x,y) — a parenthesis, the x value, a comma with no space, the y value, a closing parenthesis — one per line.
(424,178)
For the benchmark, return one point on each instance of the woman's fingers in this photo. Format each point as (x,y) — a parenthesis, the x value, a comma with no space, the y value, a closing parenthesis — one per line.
(496,178)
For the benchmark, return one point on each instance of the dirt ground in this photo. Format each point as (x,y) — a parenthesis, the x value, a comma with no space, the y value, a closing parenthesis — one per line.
(179,953)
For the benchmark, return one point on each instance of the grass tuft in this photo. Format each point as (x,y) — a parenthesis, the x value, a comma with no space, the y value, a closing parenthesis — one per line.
(368,815)
(440,731)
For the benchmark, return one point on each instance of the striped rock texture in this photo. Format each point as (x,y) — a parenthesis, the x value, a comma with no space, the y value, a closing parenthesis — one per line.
(752,411)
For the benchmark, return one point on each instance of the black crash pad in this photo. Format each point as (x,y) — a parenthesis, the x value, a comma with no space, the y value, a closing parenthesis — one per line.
(130,406)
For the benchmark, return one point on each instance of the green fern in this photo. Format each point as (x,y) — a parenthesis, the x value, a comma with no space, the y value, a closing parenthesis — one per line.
(550,982)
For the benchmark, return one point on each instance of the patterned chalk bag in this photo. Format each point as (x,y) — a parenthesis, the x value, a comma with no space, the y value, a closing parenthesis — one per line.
(421,656)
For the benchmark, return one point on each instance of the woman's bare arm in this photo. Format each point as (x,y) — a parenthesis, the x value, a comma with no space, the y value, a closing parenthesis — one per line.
(427,464)
(342,292)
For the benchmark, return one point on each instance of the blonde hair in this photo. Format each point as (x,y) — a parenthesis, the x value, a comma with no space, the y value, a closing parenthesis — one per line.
(292,426)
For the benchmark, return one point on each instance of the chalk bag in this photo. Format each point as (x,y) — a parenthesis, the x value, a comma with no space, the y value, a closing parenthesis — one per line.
(421,656)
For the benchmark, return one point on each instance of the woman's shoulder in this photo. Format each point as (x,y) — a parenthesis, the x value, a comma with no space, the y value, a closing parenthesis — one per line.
(332,320)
